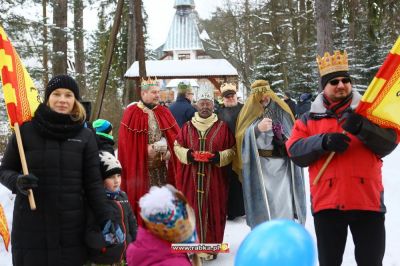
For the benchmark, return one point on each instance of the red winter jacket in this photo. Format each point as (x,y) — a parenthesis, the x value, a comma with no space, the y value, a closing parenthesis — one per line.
(353,179)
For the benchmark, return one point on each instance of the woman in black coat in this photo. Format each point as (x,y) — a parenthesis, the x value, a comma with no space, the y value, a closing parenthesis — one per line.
(63,162)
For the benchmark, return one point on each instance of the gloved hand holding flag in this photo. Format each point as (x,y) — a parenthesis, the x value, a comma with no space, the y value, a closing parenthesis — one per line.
(381,101)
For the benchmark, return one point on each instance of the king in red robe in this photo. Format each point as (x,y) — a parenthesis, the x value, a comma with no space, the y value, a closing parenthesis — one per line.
(145,146)
(203,179)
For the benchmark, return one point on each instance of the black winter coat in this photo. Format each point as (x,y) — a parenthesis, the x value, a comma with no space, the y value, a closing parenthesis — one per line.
(64,157)
(182,110)
(123,215)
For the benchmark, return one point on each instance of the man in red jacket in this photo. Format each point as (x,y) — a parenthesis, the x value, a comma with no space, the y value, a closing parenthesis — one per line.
(350,191)
(145,145)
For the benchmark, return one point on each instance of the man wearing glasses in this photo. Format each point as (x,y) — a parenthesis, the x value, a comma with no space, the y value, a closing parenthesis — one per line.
(229,114)
(349,193)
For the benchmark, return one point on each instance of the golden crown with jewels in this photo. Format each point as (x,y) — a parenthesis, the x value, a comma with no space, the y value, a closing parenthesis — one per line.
(332,63)
(149,83)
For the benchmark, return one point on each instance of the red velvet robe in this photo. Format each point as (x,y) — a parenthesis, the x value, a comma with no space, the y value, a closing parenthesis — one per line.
(211,218)
(132,150)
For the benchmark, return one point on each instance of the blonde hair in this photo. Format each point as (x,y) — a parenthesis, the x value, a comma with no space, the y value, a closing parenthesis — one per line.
(78,113)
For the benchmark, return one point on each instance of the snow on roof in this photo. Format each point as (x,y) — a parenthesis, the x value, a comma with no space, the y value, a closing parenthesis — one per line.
(184,68)
(174,83)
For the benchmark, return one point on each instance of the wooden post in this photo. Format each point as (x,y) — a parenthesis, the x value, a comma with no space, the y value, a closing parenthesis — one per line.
(107,64)
(31,199)
(140,39)
(328,160)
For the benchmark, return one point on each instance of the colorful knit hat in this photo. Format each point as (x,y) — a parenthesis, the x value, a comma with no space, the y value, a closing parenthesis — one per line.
(167,214)
(103,128)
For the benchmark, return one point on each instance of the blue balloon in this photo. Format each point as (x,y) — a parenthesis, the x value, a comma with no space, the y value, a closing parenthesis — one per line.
(277,243)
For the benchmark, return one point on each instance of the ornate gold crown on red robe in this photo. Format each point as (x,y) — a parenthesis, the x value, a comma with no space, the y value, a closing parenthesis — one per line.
(332,63)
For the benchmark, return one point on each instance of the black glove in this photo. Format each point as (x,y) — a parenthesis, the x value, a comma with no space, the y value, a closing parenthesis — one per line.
(25,182)
(336,142)
(353,123)
(216,158)
(190,158)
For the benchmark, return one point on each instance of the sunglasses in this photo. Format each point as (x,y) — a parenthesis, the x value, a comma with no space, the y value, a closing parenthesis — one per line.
(335,82)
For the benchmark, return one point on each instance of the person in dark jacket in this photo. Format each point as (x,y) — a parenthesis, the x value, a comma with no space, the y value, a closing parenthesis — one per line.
(63,162)
(349,193)
(287,98)
(105,139)
(99,251)
(304,105)
(229,113)
(182,109)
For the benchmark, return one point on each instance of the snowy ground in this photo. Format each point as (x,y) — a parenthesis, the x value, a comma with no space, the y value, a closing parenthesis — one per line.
(237,230)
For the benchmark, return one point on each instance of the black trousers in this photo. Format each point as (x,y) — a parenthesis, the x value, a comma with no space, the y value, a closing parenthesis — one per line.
(366,227)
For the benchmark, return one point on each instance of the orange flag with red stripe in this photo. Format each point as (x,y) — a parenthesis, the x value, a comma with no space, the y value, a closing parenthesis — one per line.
(20,95)
(4,233)
(381,101)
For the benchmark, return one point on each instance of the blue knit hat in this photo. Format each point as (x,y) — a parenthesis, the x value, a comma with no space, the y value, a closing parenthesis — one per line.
(103,128)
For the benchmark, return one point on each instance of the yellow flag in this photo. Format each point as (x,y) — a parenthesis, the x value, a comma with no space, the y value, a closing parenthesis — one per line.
(4,228)
(20,95)
(381,101)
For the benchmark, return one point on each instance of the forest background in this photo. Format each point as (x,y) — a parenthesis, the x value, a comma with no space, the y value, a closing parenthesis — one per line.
(276,40)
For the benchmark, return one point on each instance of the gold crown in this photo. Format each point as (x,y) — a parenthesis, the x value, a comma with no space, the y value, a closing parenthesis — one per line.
(149,83)
(332,63)
(228,87)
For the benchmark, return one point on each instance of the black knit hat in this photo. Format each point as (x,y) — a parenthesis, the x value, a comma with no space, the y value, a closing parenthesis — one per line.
(64,82)
(109,165)
(328,77)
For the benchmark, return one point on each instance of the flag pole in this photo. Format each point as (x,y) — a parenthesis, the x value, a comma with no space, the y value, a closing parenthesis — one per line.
(31,199)
(325,165)
(322,170)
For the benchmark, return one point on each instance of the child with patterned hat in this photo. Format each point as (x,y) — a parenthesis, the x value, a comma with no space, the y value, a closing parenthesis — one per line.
(105,140)
(168,218)
(99,250)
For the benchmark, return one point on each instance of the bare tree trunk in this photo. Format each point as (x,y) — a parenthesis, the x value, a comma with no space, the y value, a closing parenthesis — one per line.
(302,22)
(60,39)
(107,61)
(140,42)
(323,16)
(294,21)
(129,90)
(353,13)
(247,44)
(45,41)
(79,47)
